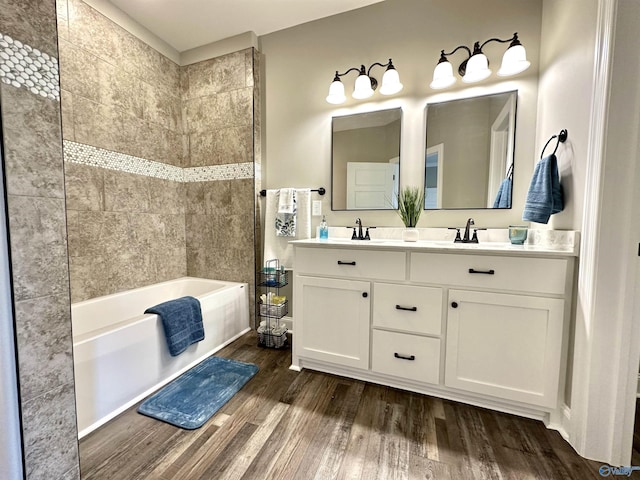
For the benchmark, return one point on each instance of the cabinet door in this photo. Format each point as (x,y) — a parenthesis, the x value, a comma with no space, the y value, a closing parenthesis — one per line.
(507,346)
(332,320)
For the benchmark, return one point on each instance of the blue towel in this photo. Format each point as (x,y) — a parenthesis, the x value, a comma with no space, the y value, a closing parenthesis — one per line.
(182,322)
(545,192)
(503,198)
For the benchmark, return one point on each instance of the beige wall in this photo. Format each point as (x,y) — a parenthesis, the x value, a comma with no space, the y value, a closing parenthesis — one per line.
(567,63)
(33,168)
(300,63)
(566,81)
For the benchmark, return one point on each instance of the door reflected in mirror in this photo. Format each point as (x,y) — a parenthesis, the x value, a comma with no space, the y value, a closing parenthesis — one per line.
(365,160)
(469,152)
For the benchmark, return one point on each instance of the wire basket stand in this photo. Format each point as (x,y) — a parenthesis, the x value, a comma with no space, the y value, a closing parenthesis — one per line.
(271,331)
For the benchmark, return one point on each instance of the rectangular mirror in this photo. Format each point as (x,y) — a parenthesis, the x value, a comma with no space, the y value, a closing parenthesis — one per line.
(469,152)
(365,160)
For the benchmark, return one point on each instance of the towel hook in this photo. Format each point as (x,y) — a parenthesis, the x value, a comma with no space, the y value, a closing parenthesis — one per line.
(562,137)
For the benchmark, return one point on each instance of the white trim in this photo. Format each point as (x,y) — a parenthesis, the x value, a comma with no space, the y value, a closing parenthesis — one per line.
(607,335)
(579,436)
(233,44)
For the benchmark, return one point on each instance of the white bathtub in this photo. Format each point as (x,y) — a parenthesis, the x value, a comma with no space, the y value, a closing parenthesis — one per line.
(120,354)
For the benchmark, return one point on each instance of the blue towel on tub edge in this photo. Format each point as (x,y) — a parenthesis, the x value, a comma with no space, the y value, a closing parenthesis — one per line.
(182,322)
(545,192)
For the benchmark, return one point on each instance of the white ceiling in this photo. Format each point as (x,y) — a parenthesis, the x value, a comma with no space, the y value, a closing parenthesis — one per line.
(186,24)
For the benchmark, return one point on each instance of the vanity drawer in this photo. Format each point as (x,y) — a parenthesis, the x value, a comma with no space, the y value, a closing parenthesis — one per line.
(408,308)
(407,356)
(338,262)
(524,274)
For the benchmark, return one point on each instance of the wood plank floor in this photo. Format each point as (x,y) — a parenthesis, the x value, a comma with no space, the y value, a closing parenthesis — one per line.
(309,425)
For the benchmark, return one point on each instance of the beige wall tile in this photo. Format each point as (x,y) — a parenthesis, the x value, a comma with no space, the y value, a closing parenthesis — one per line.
(49,434)
(126,192)
(227,109)
(84,187)
(32,143)
(32,22)
(38,246)
(219,147)
(44,339)
(80,71)
(66,105)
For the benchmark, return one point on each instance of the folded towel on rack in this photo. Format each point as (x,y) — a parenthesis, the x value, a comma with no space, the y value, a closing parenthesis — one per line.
(182,322)
(276,246)
(545,192)
(285,222)
(503,198)
(287,200)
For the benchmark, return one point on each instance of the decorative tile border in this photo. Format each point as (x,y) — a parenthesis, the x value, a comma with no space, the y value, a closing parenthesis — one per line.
(231,171)
(24,66)
(99,157)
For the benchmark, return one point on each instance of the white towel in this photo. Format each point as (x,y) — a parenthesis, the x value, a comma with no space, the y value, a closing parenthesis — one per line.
(279,247)
(286,222)
(286,200)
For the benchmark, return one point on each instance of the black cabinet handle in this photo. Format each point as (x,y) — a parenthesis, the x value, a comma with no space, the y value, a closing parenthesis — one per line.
(340,262)
(486,272)
(454,304)
(404,357)
(408,309)
(365,294)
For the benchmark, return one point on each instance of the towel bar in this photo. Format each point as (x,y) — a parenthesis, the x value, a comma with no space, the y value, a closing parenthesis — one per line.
(321,191)
(562,137)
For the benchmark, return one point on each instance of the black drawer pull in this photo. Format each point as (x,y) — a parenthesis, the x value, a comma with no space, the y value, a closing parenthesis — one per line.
(408,309)
(486,272)
(404,357)
(340,262)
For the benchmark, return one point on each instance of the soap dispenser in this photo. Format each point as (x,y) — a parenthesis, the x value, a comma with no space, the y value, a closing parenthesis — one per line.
(324,229)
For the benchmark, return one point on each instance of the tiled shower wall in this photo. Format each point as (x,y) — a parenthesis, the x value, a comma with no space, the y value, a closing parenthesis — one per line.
(126,230)
(218,99)
(159,159)
(30,110)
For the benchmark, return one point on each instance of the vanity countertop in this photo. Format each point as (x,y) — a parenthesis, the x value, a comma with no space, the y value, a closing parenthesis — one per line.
(540,243)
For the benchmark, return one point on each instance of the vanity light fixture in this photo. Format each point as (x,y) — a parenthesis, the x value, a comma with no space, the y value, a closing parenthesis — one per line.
(476,67)
(365,83)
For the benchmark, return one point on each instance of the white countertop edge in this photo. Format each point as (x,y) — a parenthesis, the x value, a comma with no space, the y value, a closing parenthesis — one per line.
(562,243)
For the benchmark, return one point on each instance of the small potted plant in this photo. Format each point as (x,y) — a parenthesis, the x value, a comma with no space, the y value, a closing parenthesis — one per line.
(410,205)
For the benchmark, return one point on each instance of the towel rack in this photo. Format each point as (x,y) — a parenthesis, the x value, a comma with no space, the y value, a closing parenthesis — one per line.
(321,191)
(562,137)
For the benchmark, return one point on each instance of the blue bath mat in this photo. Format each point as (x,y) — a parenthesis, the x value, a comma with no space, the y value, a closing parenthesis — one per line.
(193,397)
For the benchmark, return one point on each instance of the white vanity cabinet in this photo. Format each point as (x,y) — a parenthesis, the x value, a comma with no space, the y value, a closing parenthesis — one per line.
(484,327)
(336,326)
(507,344)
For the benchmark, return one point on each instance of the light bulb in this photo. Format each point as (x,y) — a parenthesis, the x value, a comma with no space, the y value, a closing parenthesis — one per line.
(336,93)
(362,87)
(477,68)
(514,61)
(390,82)
(442,76)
